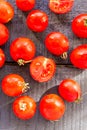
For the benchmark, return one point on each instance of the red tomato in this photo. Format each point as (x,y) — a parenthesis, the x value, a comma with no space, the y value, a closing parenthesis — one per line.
(14,85)
(6,11)
(25,5)
(42,69)
(4,34)
(22,49)
(70,90)
(2,58)
(52,107)
(79,26)
(57,43)
(60,6)
(24,107)
(78,56)
(37,20)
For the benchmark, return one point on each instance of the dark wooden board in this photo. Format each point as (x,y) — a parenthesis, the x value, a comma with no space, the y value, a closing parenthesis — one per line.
(75,117)
(62,23)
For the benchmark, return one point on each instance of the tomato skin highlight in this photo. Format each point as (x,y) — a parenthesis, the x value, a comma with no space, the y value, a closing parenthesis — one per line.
(70,90)
(24,107)
(52,107)
(6,11)
(22,48)
(4,34)
(57,43)
(25,5)
(42,69)
(2,58)
(37,20)
(60,6)
(13,85)
(78,57)
(79,26)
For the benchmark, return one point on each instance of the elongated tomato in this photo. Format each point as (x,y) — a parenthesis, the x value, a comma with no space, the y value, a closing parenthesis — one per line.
(78,56)
(60,6)
(4,34)
(57,43)
(6,11)
(14,85)
(79,25)
(70,90)
(25,5)
(2,58)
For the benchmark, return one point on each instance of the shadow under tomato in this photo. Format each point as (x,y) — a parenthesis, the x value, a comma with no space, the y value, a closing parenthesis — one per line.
(53,90)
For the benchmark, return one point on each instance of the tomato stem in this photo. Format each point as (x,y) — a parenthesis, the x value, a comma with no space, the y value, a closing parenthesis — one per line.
(22,106)
(85,22)
(25,87)
(22,62)
(64,56)
(78,100)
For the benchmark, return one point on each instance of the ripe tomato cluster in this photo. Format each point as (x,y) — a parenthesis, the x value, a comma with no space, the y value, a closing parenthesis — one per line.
(42,69)
(51,106)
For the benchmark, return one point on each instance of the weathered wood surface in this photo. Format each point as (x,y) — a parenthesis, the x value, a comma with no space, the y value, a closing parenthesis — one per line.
(57,22)
(75,117)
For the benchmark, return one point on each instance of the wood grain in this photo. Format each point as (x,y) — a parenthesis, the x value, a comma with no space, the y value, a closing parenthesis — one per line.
(62,23)
(75,117)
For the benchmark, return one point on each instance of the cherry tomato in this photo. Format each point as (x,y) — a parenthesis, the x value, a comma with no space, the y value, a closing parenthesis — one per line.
(25,5)
(24,107)
(4,34)
(42,69)
(14,85)
(60,6)
(70,90)
(2,58)
(52,107)
(37,20)
(78,56)
(6,11)
(57,43)
(22,49)
(79,25)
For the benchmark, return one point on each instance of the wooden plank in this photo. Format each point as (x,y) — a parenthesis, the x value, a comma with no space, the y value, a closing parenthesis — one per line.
(62,23)
(75,117)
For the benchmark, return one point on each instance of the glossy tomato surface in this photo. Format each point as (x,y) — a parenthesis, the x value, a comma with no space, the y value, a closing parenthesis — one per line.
(2,58)
(24,107)
(4,34)
(37,20)
(52,107)
(79,25)
(42,69)
(25,5)
(22,49)
(13,85)
(57,43)
(78,56)
(60,6)
(6,11)
(70,90)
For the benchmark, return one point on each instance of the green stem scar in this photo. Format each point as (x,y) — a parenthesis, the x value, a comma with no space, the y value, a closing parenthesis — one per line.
(85,22)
